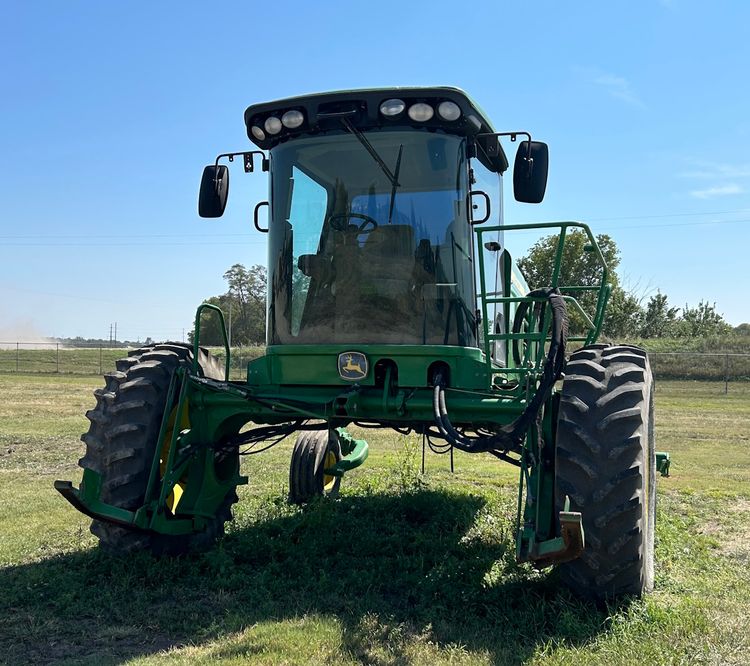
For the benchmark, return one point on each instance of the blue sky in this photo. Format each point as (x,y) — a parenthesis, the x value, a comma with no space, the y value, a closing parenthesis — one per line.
(110,110)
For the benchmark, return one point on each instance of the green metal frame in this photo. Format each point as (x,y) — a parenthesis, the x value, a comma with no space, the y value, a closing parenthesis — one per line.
(196,338)
(302,382)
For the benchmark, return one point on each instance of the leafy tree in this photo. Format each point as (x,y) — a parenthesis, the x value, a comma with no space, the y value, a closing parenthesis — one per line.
(659,320)
(742,329)
(702,321)
(624,315)
(247,297)
(580,267)
(243,305)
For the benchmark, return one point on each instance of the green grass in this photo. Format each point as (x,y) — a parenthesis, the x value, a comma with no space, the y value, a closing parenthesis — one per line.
(95,361)
(404,569)
(62,361)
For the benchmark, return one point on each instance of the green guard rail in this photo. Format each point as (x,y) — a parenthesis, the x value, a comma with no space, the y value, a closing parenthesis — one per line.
(593,324)
(196,337)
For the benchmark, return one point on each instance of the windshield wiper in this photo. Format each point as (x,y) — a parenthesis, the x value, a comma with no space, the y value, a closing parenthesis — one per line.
(395,182)
(370,149)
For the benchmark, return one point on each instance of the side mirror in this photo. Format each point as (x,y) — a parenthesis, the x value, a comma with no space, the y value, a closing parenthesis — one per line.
(214,191)
(530,171)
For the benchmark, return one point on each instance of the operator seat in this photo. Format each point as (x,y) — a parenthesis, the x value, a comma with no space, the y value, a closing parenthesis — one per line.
(374,289)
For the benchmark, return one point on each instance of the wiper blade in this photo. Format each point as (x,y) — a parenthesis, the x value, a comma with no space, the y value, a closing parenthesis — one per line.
(395,183)
(370,149)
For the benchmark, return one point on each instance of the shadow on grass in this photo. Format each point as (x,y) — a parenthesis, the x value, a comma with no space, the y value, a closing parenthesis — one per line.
(426,561)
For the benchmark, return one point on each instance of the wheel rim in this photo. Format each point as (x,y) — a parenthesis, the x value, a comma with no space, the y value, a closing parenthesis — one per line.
(328,479)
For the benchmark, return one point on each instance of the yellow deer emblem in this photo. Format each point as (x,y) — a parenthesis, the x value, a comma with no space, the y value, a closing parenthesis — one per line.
(352,365)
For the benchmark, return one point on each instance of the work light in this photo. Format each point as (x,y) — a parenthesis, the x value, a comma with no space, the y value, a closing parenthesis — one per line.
(273,125)
(421,112)
(392,107)
(292,119)
(449,111)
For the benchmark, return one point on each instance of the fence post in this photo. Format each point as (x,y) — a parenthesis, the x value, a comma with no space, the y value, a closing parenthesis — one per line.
(726,374)
(57,355)
(100,359)
(17,348)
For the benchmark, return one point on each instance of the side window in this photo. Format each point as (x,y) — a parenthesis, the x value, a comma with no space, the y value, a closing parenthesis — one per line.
(306,216)
(491,184)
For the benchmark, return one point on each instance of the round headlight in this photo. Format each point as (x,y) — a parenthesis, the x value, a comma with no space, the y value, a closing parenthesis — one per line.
(258,133)
(272,125)
(292,119)
(449,111)
(421,112)
(392,107)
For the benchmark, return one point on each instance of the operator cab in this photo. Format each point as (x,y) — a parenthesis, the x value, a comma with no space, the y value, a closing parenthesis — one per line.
(371,212)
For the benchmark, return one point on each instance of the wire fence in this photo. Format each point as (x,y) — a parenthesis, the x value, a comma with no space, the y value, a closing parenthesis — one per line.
(725,367)
(59,358)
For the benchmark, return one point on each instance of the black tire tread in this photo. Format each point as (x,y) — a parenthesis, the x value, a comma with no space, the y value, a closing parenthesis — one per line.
(123,430)
(306,466)
(604,464)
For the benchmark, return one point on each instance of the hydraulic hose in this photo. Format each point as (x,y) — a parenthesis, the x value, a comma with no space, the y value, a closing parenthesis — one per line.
(511,437)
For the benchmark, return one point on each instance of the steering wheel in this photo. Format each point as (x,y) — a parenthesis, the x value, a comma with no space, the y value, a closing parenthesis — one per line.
(340,222)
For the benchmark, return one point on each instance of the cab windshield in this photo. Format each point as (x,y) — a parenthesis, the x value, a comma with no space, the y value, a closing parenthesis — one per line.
(358,256)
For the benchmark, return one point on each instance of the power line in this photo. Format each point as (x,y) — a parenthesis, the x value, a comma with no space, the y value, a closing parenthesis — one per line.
(132,236)
(128,236)
(143,244)
(254,241)
(652,217)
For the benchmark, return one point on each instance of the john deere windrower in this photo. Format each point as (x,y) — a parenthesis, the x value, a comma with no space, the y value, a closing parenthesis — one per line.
(394,303)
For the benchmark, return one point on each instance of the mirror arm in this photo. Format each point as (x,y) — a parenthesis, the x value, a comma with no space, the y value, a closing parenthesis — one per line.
(513,137)
(247,159)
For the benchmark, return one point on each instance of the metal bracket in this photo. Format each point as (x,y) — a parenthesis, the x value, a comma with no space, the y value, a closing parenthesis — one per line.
(126,519)
(247,159)
(568,546)
(355,453)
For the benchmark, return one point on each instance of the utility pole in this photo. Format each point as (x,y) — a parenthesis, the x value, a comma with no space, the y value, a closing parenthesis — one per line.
(115,332)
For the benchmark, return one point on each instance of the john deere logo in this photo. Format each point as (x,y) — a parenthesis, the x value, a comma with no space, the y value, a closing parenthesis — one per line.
(352,366)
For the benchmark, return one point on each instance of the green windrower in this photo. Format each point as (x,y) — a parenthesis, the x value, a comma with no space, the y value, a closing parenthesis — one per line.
(393,302)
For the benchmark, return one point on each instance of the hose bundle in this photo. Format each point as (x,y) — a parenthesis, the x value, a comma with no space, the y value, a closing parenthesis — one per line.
(511,437)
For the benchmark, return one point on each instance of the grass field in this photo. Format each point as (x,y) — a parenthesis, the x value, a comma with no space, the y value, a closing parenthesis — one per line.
(95,361)
(404,569)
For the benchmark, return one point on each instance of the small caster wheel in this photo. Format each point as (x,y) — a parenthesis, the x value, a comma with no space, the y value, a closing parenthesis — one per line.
(314,451)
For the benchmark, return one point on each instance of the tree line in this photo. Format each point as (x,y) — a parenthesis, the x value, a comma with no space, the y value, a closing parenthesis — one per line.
(244,308)
(628,315)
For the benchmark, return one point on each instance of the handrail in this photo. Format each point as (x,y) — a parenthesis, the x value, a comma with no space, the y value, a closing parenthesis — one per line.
(592,321)
(197,335)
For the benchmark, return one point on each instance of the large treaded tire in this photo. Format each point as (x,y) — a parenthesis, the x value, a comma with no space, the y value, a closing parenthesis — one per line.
(121,443)
(605,463)
(312,452)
